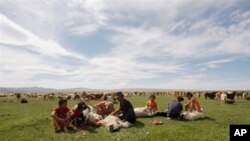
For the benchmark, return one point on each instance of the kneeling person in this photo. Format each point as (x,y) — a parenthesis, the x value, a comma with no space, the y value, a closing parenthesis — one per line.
(126,109)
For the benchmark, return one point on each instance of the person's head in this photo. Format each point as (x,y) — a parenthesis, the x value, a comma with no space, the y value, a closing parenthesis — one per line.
(119,96)
(189,95)
(62,103)
(180,98)
(152,97)
(109,106)
(105,97)
(81,105)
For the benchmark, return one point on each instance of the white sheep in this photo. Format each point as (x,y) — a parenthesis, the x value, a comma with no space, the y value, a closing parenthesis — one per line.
(114,123)
(143,112)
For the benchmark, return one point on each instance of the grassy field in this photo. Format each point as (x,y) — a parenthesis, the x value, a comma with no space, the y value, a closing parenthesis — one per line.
(32,122)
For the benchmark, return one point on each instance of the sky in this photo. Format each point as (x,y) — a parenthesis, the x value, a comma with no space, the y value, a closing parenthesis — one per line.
(111,44)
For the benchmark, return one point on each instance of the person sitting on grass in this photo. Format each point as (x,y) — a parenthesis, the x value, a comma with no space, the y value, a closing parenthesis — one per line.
(104,108)
(193,108)
(175,108)
(151,104)
(126,109)
(149,110)
(61,116)
(78,117)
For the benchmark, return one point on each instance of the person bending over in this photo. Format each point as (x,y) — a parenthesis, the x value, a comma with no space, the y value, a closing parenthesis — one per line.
(126,109)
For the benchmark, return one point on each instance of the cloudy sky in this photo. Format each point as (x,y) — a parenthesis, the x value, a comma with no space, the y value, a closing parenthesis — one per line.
(177,44)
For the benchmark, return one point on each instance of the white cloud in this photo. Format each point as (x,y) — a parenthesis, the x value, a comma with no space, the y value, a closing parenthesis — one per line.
(13,34)
(215,63)
(147,39)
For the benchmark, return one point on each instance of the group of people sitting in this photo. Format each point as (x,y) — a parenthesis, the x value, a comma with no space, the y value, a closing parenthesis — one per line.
(62,115)
(83,114)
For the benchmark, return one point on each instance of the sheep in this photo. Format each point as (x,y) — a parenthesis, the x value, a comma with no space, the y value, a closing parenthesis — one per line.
(143,112)
(114,123)
(188,115)
(91,118)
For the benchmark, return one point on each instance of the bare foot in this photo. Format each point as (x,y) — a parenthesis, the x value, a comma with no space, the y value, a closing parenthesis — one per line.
(65,129)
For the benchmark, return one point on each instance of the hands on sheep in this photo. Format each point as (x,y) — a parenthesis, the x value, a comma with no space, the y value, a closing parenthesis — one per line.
(113,123)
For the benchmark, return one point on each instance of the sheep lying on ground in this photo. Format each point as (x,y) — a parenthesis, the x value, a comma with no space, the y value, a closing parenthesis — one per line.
(193,115)
(143,112)
(113,123)
(91,118)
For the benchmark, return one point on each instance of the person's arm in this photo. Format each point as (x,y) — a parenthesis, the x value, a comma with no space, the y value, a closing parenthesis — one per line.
(191,104)
(70,114)
(97,105)
(197,107)
(156,106)
(54,115)
(116,112)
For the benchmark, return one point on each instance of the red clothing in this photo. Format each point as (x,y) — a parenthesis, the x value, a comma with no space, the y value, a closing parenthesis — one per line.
(76,112)
(62,113)
(102,106)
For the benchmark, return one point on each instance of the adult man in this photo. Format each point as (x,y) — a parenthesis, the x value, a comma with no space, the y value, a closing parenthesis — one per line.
(126,109)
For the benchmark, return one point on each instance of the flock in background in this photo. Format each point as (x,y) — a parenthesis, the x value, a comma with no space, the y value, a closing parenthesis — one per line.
(87,96)
(87,116)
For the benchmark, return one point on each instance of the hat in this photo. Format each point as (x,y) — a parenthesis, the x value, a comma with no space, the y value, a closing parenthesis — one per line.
(81,105)
(180,98)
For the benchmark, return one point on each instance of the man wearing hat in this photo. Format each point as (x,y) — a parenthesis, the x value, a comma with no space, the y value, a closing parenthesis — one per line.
(126,109)
(175,108)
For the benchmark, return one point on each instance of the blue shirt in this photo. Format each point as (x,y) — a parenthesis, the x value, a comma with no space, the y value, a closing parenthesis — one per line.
(174,108)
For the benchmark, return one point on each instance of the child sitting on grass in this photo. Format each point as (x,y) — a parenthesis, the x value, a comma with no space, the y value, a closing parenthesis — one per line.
(61,116)
(151,104)
(78,117)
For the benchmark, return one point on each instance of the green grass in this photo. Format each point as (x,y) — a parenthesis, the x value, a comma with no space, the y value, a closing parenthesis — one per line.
(32,122)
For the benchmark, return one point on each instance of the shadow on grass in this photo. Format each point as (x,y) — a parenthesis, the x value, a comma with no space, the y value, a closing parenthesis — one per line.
(208,118)
(90,129)
(138,124)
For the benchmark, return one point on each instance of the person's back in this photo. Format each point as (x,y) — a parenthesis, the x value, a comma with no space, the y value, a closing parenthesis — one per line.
(193,108)
(194,105)
(174,109)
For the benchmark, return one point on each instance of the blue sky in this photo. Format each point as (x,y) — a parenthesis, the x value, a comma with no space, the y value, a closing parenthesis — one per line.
(125,44)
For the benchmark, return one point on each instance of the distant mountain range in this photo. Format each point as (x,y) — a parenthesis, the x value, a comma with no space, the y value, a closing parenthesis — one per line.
(69,90)
(41,89)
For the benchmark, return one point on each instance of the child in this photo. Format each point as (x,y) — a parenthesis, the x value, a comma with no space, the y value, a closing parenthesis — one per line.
(175,108)
(104,108)
(61,116)
(151,104)
(78,118)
